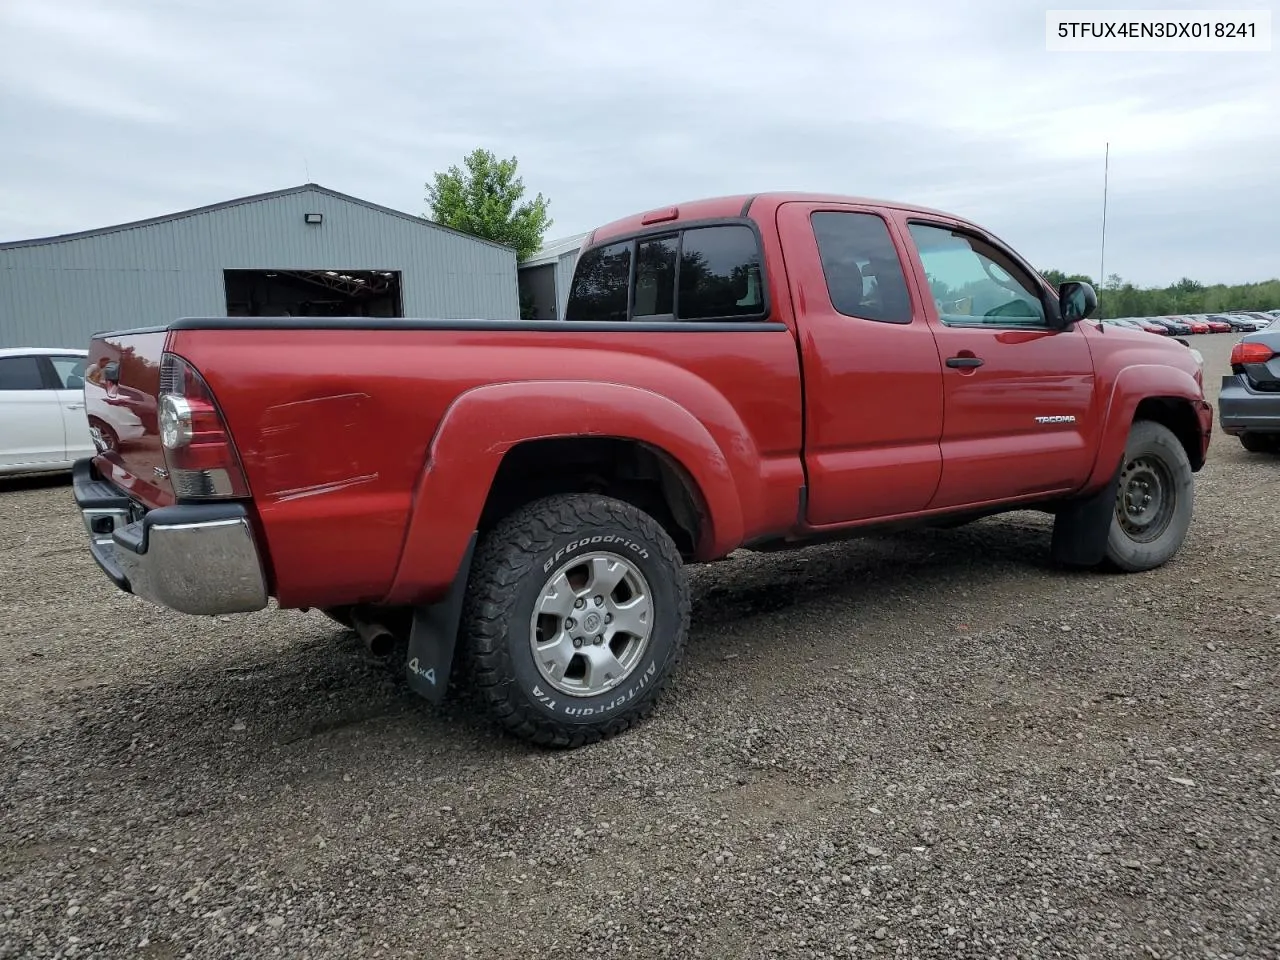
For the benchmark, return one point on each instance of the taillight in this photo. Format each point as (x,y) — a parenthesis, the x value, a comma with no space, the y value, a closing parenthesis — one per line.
(202,460)
(1245,352)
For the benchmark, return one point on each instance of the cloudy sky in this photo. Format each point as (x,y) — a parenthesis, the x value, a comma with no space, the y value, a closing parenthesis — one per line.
(114,110)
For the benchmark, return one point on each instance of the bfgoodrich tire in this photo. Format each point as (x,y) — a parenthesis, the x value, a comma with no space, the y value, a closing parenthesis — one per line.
(577,612)
(1153,501)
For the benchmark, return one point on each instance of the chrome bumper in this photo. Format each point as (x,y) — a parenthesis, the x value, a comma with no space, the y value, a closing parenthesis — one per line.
(198,559)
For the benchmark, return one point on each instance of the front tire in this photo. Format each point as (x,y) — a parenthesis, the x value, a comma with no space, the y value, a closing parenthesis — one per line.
(577,613)
(1153,501)
(1261,442)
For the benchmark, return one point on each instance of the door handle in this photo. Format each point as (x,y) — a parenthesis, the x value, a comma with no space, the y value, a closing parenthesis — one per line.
(964,363)
(75,406)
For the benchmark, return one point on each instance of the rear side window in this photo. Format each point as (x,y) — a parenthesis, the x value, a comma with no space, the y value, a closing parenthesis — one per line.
(20,373)
(70,372)
(864,275)
(702,273)
(600,279)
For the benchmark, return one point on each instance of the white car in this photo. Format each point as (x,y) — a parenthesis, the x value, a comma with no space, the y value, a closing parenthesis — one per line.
(43,426)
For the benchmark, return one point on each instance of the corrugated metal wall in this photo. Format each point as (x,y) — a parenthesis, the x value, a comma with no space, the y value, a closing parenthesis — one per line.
(58,294)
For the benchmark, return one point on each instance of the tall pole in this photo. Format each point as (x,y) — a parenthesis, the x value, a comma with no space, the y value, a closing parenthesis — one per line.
(1102,265)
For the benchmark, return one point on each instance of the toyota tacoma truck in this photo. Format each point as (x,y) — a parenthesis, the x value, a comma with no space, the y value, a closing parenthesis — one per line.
(511,506)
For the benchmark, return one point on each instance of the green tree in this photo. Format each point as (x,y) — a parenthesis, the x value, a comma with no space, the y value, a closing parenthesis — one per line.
(486,200)
(1057,277)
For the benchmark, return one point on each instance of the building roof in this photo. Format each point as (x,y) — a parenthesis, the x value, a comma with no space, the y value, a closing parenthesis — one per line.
(255,198)
(553,250)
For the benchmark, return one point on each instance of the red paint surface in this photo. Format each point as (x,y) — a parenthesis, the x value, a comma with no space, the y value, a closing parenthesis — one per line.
(369,454)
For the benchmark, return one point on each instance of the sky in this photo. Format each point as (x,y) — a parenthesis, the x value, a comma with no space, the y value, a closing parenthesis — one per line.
(117,110)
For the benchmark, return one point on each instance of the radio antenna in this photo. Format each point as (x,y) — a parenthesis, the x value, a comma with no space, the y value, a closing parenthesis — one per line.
(1102,264)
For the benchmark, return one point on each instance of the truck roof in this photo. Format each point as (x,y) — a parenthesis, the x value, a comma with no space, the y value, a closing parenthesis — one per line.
(759,205)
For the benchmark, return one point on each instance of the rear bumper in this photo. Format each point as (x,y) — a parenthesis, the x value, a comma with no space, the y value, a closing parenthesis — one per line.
(198,559)
(1244,410)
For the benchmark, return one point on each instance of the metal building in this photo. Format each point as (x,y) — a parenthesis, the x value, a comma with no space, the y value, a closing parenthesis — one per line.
(545,278)
(304,251)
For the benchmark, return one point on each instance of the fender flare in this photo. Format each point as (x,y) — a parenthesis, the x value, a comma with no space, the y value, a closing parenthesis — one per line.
(1133,385)
(484,423)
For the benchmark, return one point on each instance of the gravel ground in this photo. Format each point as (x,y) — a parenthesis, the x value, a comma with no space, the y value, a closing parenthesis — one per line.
(931,744)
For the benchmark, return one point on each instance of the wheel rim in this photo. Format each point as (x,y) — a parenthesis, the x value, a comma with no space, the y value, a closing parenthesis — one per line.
(1146,499)
(591,624)
(104,440)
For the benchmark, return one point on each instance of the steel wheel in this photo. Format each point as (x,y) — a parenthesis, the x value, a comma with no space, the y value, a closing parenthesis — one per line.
(591,624)
(1146,499)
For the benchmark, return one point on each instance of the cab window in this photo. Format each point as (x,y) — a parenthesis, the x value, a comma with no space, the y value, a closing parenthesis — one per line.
(974,283)
(600,279)
(701,273)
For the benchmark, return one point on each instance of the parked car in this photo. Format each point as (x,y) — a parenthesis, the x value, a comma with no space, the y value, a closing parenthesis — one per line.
(1216,325)
(1197,325)
(1249,400)
(1176,328)
(534,489)
(1233,321)
(1263,320)
(43,427)
(1138,325)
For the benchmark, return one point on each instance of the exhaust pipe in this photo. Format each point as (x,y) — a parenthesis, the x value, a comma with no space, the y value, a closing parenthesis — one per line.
(378,640)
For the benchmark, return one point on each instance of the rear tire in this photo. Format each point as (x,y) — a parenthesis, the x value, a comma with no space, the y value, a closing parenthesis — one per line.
(1153,501)
(1261,442)
(576,615)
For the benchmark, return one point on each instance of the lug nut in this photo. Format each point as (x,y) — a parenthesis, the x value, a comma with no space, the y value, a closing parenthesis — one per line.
(570,623)
(598,640)
(608,618)
(577,643)
(599,601)
(579,603)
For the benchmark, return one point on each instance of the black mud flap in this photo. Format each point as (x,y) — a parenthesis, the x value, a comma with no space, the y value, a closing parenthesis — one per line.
(1081,527)
(434,636)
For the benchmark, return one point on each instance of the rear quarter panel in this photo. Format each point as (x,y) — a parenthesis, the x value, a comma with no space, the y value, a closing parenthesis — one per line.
(335,426)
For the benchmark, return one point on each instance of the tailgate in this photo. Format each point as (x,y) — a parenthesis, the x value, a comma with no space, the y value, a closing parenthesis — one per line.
(121,387)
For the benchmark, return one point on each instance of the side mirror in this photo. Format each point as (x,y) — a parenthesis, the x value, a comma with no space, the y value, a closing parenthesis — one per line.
(1076,300)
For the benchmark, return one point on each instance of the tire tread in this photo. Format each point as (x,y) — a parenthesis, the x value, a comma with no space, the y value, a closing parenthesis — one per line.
(505,559)
(1147,432)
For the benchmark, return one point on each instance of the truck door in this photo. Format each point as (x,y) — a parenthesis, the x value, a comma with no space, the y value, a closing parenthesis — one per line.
(30,416)
(872,374)
(1019,396)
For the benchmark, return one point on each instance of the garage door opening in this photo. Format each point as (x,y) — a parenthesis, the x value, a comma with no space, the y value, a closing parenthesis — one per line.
(313,293)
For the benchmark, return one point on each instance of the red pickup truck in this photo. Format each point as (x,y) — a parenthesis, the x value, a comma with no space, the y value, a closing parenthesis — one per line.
(754,371)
